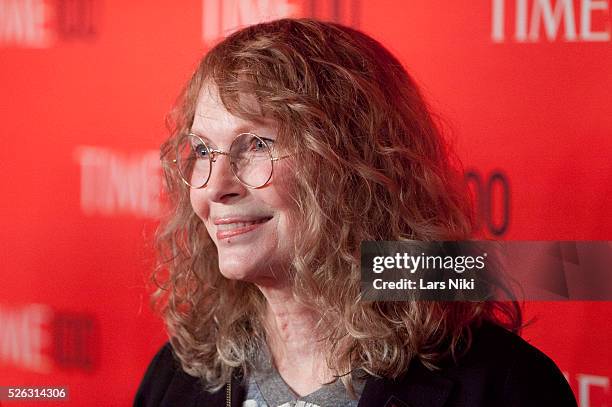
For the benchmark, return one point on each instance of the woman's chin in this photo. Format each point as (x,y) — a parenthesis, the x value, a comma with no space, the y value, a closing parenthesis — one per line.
(252,275)
(240,272)
(235,274)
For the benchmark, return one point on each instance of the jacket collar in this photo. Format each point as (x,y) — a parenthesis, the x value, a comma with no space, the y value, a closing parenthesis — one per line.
(419,387)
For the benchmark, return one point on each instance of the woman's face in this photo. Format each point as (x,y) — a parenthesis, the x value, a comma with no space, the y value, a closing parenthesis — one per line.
(250,227)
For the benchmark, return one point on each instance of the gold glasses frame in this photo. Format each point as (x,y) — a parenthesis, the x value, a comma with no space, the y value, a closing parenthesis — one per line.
(215,152)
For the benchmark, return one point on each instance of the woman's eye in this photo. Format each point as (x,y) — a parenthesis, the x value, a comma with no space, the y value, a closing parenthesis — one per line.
(261,144)
(200,151)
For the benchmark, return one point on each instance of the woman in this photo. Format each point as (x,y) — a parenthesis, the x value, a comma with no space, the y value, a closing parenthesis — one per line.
(293,142)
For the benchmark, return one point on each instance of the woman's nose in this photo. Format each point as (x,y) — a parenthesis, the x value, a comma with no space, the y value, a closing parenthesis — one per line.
(222,185)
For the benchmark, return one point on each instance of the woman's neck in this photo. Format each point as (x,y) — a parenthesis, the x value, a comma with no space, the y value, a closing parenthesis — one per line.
(295,351)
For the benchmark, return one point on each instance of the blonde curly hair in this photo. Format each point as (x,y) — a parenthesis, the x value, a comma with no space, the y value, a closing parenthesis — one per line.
(371,165)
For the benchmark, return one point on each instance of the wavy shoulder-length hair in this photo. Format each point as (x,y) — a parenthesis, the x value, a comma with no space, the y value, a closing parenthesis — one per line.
(370,164)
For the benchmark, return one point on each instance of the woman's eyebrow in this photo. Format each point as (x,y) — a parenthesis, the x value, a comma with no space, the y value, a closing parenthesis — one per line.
(255,127)
(200,134)
(259,128)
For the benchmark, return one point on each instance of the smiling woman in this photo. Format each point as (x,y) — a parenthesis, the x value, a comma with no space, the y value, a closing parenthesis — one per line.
(293,142)
(246,215)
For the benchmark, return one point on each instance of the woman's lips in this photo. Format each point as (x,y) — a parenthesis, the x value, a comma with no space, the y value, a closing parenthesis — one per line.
(227,229)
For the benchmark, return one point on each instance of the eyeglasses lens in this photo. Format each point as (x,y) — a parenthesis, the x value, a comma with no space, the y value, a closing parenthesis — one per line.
(250,160)
(193,161)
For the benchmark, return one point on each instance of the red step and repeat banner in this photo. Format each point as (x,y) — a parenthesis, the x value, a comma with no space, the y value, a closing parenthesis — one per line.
(523,86)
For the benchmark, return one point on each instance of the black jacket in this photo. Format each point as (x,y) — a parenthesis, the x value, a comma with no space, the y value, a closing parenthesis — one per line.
(500,369)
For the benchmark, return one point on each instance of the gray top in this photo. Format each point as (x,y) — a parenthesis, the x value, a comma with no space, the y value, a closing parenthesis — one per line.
(266,388)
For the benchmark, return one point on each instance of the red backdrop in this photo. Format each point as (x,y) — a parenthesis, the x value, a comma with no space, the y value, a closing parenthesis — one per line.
(523,85)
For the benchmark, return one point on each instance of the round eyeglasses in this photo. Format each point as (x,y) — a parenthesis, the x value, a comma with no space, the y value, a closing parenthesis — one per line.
(250,157)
